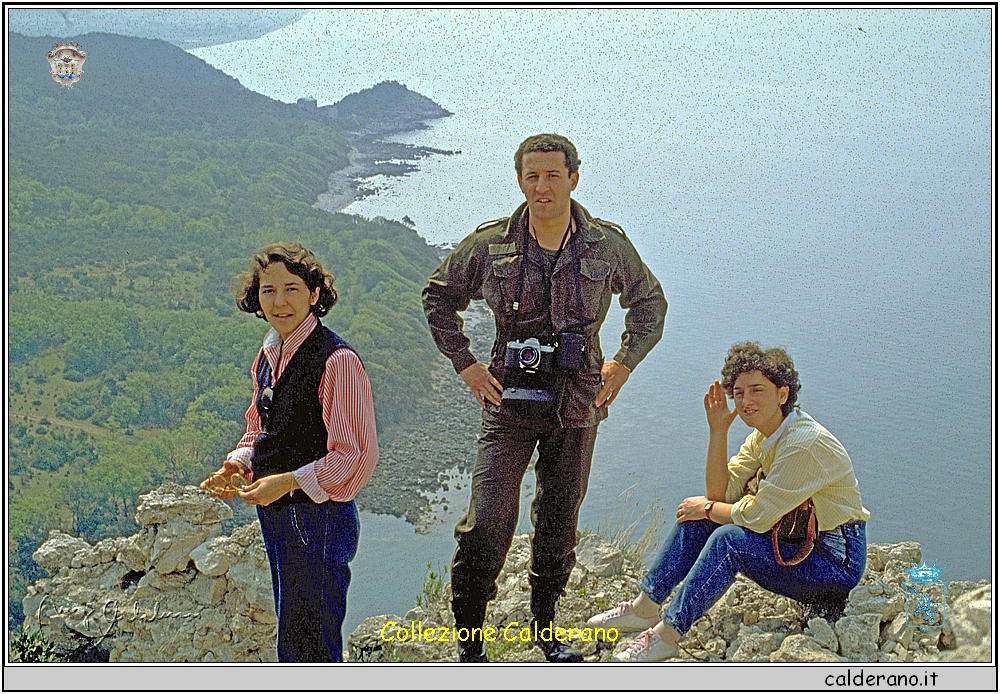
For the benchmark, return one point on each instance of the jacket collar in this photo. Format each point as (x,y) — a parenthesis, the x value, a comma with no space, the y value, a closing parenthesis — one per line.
(587,231)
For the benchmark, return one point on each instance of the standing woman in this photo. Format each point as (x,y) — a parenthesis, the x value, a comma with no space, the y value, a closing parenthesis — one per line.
(310,446)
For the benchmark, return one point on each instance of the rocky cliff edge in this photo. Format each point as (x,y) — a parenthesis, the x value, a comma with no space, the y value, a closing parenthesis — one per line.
(180,591)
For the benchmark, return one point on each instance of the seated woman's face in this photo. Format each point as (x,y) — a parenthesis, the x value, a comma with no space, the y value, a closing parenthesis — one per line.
(758,401)
(285,298)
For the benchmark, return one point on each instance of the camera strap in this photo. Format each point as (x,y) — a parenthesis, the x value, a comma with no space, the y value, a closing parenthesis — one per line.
(520,276)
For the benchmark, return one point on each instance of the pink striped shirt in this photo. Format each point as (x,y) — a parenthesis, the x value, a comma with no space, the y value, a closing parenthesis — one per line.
(348,414)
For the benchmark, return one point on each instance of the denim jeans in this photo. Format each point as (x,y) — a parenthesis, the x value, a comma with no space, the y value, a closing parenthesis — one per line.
(706,556)
(308,547)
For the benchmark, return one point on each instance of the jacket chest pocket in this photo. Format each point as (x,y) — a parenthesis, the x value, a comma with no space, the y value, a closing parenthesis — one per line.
(506,271)
(595,286)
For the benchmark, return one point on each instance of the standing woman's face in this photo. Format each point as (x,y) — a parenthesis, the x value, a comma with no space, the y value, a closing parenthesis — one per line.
(285,298)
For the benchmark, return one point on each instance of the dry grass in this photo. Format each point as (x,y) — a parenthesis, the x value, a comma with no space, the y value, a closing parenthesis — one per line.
(625,518)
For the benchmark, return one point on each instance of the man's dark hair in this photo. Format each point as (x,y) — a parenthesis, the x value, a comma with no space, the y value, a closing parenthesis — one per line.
(548,142)
(775,364)
(299,261)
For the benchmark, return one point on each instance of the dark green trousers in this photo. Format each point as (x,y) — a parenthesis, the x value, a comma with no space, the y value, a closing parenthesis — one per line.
(506,444)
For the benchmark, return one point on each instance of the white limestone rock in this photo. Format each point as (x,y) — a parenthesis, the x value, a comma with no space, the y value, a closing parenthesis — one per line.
(858,637)
(211,557)
(879,555)
(820,629)
(799,648)
(174,542)
(134,551)
(876,598)
(751,646)
(598,556)
(172,502)
(58,551)
(970,619)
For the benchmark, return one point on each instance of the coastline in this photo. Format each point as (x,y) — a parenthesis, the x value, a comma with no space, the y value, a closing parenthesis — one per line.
(420,464)
(371,155)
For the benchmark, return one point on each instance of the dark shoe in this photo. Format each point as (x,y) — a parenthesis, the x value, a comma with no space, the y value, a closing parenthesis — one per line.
(472,652)
(559,652)
(830,610)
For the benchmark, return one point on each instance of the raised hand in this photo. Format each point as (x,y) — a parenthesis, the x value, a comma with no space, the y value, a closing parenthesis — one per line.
(720,417)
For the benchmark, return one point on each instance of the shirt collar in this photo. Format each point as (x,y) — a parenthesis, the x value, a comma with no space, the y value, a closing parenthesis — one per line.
(773,438)
(295,339)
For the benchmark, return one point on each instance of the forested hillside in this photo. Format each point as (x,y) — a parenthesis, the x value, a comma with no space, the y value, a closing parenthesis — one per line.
(134,198)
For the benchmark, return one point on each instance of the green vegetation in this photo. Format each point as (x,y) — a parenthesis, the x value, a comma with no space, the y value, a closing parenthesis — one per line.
(132,203)
(27,647)
(433,586)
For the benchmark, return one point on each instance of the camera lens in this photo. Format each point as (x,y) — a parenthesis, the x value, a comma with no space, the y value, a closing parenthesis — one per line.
(528,356)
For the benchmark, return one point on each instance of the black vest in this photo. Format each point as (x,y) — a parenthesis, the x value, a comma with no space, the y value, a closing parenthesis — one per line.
(291,414)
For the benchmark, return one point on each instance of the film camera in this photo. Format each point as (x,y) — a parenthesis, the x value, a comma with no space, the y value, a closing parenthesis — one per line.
(529,371)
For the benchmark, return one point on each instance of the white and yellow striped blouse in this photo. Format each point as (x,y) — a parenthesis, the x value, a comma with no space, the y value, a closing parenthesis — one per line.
(801,460)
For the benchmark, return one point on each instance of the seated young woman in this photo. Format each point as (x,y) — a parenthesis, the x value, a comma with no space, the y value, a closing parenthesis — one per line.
(728,530)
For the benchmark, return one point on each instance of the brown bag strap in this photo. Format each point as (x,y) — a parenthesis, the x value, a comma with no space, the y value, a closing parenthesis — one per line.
(806,547)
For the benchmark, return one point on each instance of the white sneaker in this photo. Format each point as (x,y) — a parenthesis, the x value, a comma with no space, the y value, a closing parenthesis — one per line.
(647,648)
(623,618)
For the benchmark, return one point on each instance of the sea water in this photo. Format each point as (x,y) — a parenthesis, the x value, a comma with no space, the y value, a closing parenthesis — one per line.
(815,179)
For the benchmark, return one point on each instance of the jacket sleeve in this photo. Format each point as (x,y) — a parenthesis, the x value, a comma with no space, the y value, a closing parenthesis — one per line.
(457,281)
(646,307)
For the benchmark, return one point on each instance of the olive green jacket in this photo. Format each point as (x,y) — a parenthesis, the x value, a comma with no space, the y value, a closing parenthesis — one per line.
(486,265)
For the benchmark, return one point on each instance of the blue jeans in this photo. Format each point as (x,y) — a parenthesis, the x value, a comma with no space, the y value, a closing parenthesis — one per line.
(706,556)
(308,547)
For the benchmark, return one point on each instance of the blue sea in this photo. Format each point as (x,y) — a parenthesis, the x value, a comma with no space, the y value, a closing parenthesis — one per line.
(816,179)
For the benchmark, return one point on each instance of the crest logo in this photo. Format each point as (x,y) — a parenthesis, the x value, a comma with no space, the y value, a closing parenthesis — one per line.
(66,61)
(926,597)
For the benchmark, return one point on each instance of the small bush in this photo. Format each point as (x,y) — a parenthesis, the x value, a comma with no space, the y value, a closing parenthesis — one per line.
(31,647)
(433,586)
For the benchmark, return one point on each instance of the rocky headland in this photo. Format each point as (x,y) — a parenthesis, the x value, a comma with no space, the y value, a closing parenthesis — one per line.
(367,118)
(180,590)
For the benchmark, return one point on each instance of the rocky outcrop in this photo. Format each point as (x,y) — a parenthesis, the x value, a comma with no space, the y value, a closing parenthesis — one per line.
(175,591)
(180,591)
(385,109)
(749,624)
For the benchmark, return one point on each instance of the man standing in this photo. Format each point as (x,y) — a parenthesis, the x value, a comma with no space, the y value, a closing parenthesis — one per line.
(548,272)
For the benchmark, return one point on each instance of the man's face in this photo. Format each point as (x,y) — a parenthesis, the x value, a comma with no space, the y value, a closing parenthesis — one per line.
(546,183)
(758,401)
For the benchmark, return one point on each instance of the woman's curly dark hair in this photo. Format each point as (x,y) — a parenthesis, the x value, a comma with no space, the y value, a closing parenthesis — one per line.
(299,261)
(775,364)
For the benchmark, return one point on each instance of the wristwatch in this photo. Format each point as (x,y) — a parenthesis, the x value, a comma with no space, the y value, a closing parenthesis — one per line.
(708,510)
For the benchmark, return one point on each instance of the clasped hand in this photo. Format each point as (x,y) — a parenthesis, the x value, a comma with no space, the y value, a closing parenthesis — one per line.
(227,481)
(232,479)
(692,508)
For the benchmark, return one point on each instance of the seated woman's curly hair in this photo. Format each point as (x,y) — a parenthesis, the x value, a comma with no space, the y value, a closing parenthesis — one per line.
(299,261)
(775,364)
